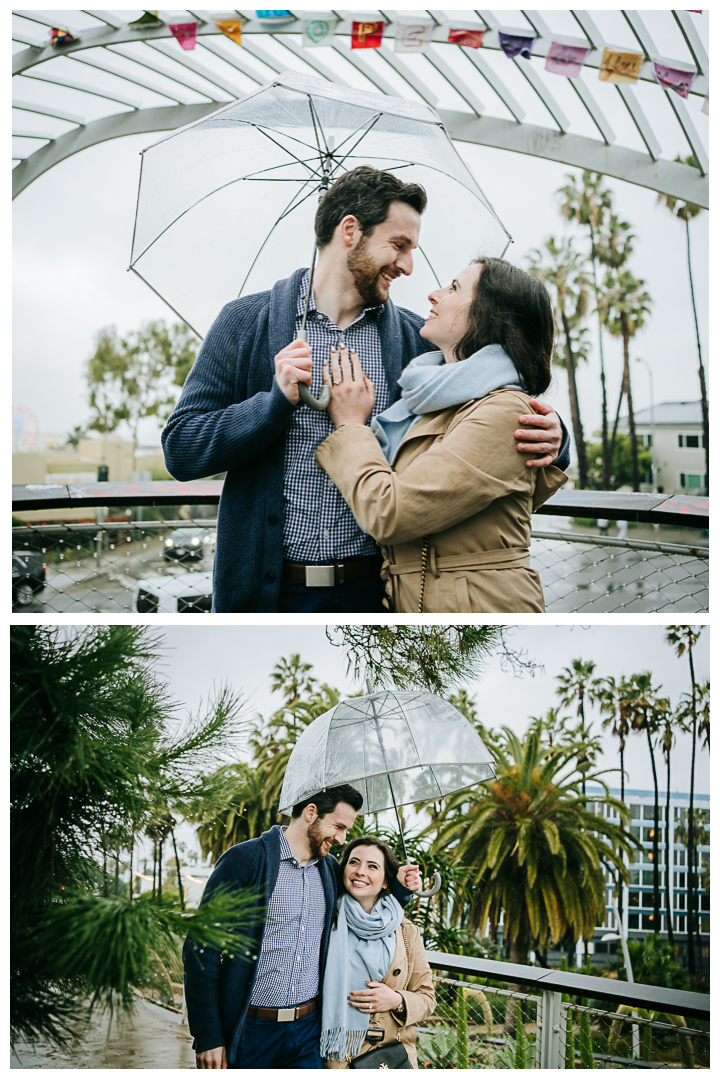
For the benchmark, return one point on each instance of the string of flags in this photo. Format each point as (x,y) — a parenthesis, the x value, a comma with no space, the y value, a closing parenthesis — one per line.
(415,35)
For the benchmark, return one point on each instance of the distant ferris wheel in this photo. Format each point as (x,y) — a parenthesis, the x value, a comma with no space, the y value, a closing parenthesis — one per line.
(24,429)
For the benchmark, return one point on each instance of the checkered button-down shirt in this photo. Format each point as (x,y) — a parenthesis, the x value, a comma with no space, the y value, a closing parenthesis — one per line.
(288,970)
(319,525)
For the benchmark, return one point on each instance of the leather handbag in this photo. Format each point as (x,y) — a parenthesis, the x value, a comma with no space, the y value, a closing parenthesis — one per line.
(392,1056)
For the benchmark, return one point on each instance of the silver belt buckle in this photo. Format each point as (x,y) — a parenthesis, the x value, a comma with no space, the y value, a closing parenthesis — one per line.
(286,1014)
(317,577)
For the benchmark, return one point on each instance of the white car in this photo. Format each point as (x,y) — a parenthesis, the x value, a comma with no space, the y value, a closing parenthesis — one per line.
(188,592)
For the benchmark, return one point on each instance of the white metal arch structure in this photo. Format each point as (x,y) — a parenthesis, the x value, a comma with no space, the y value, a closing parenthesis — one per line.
(116,79)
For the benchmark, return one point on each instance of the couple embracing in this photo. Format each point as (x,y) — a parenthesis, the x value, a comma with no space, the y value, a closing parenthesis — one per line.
(336,976)
(414,491)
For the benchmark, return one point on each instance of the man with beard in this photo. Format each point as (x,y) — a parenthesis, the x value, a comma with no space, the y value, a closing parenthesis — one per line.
(261,1009)
(286,539)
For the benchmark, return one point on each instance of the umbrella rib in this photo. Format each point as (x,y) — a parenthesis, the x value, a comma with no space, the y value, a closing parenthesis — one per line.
(181,317)
(366,132)
(372,121)
(272,230)
(280,145)
(290,209)
(293,138)
(316,124)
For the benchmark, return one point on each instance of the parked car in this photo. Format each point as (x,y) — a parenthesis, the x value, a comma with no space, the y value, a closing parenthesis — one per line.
(29,575)
(185,592)
(182,544)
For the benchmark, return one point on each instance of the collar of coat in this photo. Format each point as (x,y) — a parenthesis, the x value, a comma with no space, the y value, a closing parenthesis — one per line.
(284,297)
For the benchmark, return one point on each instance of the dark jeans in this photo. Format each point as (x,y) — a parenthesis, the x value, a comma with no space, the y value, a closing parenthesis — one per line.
(268,1044)
(363,597)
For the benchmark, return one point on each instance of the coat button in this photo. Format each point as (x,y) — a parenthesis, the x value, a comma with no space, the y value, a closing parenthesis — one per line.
(270,576)
(396,971)
(272,519)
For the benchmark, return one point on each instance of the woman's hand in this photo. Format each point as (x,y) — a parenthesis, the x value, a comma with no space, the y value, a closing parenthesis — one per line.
(353,394)
(379,998)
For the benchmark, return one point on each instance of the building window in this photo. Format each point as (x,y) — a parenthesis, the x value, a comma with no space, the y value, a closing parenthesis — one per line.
(636,812)
(689,441)
(680,857)
(680,901)
(704,903)
(648,923)
(680,881)
(634,877)
(680,924)
(633,921)
(692,481)
(705,925)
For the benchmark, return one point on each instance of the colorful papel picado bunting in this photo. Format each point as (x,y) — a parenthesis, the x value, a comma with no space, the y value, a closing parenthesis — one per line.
(231,28)
(566,59)
(148,18)
(185,33)
(367,35)
(516,45)
(472,39)
(620,67)
(674,78)
(318,31)
(413,36)
(58,36)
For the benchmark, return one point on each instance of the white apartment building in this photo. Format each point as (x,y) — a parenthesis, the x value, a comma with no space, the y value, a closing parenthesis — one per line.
(673,432)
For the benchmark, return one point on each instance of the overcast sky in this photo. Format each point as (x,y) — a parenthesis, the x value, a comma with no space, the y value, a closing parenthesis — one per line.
(72,235)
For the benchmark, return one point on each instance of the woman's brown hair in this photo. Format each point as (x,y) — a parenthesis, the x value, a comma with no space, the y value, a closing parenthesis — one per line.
(392,863)
(511,308)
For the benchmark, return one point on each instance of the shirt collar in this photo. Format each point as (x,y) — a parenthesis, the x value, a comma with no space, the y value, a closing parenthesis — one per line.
(286,851)
(312,307)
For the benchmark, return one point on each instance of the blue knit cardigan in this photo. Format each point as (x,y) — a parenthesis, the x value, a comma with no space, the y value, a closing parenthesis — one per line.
(232,416)
(218,992)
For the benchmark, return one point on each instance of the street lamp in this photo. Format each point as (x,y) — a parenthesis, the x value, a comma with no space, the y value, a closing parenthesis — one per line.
(652,421)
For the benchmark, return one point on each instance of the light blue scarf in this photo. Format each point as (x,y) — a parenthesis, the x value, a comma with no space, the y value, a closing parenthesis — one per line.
(428,385)
(361,949)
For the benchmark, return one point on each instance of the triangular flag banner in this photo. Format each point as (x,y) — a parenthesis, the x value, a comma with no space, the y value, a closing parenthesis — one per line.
(620,67)
(473,39)
(367,35)
(61,37)
(318,31)
(148,18)
(231,28)
(706,106)
(566,59)
(268,15)
(186,33)
(515,45)
(413,37)
(674,78)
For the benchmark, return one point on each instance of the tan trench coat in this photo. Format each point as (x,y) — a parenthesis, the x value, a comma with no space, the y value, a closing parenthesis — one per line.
(457,480)
(410,975)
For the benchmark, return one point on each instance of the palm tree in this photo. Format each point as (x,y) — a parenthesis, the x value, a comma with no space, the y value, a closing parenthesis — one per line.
(587,203)
(561,268)
(669,725)
(646,709)
(623,305)
(686,211)
(534,850)
(683,639)
(576,685)
(611,698)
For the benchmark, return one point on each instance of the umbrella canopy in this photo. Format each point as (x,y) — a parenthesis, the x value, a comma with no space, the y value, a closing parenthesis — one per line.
(395,747)
(226,205)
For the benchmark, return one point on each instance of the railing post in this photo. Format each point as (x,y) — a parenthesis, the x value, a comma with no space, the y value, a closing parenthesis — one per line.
(551,1042)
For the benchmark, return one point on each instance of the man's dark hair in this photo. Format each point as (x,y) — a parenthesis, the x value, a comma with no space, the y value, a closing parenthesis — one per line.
(366,193)
(326,801)
(513,309)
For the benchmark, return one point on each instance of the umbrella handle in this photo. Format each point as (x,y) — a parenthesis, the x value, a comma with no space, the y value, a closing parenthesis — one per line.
(434,888)
(306,396)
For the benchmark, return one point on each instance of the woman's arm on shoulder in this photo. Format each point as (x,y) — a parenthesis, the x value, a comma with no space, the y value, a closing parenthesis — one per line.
(419,996)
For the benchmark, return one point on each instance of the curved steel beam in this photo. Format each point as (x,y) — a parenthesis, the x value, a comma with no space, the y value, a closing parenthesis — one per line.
(667,177)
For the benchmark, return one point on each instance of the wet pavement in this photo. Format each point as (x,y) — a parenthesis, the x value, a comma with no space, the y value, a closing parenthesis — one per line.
(153,1038)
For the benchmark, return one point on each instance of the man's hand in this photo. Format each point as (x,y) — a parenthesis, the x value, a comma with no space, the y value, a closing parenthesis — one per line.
(542,435)
(409,877)
(379,998)
(293,364)
(212,1059)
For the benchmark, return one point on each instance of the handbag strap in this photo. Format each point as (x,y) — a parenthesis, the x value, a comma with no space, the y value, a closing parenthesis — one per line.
(423,575)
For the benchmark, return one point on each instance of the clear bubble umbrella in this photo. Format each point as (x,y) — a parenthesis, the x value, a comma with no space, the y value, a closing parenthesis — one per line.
(395,747)
(226,205)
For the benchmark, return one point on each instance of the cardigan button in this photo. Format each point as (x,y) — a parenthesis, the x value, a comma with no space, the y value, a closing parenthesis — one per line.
(272,519)
(270,576)
(396,971)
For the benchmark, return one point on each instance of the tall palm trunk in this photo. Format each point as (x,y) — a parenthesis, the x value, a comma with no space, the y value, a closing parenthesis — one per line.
(518,955)
(177,867)
(701,367)
(575,405)
(631,411)
(668,841)
(622,800)
(607,462)
(692,888)
(656,839)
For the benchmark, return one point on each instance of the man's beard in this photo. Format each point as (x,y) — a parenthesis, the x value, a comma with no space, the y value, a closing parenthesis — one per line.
(365,275)
(316,840)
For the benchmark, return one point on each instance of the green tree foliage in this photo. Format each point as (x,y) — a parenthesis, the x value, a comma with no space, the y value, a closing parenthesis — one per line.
(621,464)
(562,269)
(96,750)
(137,376)
(576,686)
(686,211)
(536,852)
(655,963)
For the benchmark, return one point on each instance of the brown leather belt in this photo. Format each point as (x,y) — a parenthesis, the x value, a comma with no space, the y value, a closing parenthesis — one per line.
(260,1013)
(349,572)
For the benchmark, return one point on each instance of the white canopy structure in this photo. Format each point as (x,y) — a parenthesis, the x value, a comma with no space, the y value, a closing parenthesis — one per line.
(117,79)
